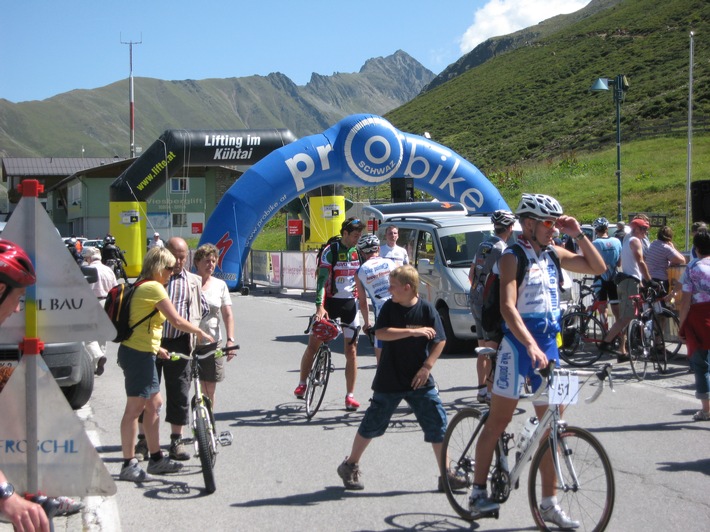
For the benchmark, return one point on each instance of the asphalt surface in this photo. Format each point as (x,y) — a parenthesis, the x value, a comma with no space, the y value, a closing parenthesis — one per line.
(281,470)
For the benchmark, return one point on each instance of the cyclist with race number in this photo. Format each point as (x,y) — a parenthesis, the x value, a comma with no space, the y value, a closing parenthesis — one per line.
(531,314)
(373,280)
(610,250)
(336,297)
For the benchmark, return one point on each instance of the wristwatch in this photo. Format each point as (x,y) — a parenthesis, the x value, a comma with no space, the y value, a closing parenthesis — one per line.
(580,236)
(6,490)
(230,339)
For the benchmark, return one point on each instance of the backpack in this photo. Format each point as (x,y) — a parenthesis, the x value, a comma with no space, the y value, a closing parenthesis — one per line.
(333,243)
(118,309)
(491,318)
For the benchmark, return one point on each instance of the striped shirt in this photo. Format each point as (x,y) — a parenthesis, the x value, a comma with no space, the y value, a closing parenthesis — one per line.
(179,292)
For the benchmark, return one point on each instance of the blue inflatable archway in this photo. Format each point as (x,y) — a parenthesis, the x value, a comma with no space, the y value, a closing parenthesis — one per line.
(360,150)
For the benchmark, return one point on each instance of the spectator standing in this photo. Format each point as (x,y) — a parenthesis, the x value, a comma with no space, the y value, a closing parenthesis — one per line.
(695,320)
(485,262)
(661,254)
(531,316)
(413,341)
(219,302)
(697,226)
(16,274)
(157,242)
(106,281)
(137,357)
(621,231)
(634,271)
(610,250)
(336,297)
(391,250)
(373,280)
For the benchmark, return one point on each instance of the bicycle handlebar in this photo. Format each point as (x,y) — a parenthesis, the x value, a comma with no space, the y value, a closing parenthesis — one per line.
(357,329)
(205,350)
(551,370)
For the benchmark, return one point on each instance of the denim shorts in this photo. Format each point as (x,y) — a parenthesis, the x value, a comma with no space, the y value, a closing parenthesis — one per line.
(424,402)
(140,375)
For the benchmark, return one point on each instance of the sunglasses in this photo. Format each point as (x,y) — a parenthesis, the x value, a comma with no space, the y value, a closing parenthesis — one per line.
(352,223)
(549,224)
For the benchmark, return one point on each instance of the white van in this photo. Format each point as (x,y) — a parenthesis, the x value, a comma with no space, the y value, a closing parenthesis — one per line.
(441,239)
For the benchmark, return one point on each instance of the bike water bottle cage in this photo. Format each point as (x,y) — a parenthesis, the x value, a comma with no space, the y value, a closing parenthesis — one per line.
(325,330)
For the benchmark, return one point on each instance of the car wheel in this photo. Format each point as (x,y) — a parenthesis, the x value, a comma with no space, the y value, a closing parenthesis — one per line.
(79,394)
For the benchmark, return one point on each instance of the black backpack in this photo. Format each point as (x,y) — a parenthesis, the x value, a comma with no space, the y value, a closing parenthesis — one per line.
(118,308)
(491,318)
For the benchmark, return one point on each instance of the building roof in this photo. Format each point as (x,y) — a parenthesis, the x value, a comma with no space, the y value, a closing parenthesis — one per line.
(51,166)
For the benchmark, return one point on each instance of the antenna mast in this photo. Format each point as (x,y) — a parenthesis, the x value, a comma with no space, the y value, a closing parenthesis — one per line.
(130,94)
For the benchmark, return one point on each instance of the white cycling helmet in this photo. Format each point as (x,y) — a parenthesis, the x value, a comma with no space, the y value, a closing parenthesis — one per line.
(505,218)
(368,243)
(539,206)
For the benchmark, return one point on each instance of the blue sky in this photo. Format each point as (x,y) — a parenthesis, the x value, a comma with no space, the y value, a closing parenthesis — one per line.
(48,47)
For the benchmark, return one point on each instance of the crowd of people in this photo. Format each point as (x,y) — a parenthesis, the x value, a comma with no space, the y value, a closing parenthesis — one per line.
(355,272)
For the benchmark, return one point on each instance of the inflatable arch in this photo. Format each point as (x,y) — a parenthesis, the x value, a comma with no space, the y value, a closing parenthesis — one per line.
(360,150)
(174,150)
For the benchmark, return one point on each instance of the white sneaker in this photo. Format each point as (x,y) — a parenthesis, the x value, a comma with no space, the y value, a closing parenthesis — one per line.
(555,514)
(481,506)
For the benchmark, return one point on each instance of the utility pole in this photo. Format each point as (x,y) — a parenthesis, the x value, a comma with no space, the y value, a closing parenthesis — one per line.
(130,94)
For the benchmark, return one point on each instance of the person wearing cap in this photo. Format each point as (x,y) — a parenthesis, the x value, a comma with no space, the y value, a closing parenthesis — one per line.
(484,262)
(634,271)
(336,297)
(156,242)
(16,274)
(105,282)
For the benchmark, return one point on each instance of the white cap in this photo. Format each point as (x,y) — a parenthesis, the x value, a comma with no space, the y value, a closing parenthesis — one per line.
(156,234)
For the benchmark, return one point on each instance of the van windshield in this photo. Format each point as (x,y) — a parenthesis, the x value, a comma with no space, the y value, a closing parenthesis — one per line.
(460,248)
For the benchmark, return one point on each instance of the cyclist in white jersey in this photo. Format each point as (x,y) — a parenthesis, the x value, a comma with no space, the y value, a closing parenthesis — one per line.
(373,280)
(391,250)
(531,313)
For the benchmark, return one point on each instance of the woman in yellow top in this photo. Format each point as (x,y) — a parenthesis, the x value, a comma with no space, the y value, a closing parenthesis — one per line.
(136,356)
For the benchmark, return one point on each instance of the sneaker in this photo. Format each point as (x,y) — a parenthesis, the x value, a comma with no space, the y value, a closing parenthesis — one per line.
(481,505)
(350,473)
(163,466)
(481,396)
(300,391)
(351,404)
(178,451)
(100,366)
(133,472)
(701,415)
(456,482)
(140,451)
(68,506)
(555,514)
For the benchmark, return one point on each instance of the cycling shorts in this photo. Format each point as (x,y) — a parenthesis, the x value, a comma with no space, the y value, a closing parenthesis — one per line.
(346,310)
(514,365)
(608,292)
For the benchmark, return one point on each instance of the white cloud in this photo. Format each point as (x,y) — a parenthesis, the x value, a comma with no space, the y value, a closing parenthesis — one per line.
(500,17)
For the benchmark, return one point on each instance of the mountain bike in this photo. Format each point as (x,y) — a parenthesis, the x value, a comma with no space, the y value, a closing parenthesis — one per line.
(204,432)
(583,328)
(322,365)
(583,471)
(646,338)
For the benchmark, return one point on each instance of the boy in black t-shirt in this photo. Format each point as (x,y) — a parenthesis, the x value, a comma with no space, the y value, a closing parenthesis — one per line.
(413,339)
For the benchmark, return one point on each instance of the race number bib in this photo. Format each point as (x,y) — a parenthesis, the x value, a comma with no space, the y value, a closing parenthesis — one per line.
(563,390)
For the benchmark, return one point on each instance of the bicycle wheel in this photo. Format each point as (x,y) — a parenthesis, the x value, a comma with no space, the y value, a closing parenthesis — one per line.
(639,349)
(317,380)
(587,490)
(581,335)
(670,324)
(459,448)
(205,447)
(659,354)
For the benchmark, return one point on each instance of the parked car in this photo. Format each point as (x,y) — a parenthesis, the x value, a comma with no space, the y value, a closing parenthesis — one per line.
(441,240)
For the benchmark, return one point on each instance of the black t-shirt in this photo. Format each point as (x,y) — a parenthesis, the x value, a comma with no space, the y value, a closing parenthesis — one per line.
(401,359)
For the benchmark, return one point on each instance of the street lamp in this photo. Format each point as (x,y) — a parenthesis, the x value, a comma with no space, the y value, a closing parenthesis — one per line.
(620,85)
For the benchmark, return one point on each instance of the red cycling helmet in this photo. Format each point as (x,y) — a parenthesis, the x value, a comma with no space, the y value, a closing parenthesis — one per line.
(325,330)
(16,268)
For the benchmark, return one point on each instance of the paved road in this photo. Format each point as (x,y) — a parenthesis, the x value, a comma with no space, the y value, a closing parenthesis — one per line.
(280,472)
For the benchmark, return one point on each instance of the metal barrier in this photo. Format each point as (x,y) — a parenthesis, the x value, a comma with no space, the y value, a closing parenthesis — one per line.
(281,269)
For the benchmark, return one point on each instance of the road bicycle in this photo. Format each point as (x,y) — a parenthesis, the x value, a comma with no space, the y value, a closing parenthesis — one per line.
(583,327)
(204,432)
(583,471)
(652,335)
(322,365)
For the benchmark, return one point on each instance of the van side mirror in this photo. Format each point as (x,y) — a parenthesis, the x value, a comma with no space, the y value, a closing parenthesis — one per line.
(424,266)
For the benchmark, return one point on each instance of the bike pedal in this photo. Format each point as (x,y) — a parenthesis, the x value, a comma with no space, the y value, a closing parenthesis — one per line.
(225,438)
